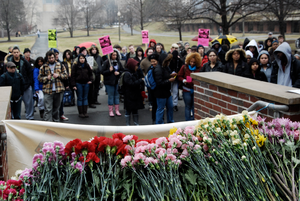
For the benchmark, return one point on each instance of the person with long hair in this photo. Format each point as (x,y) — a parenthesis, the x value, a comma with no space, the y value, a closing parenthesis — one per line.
(81,78)
(192,64)
(254,71)
(213,63)
(68,63)
(38,86)
(236,62)
(112,69)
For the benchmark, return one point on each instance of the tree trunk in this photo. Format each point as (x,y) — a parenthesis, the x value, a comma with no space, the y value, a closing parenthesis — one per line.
(131,28)
(224,17)
(282,27)
(8,33)
(142,26)
(180,35)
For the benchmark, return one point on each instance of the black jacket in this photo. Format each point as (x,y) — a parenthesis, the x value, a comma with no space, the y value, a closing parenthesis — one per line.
(109,77)
(261,76)
(163,85)
(133,99)
(17,83)
(295,72)
(81,75)
(99,61)
(218,67)
(25,70)
(240,69)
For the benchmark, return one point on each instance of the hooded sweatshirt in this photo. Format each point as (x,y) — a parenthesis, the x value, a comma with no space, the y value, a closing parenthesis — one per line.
(268,71)
(283,77)
(254,44)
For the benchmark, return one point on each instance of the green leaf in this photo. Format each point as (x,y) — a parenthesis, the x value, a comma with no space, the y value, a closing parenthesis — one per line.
(191,177)
(290,146)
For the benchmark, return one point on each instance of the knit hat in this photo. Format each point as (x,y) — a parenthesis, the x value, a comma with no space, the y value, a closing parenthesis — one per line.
(54,50)
(174,45)
(131,64)
(82,49)
(154,56)
(275,41)
(186,43)
(248,52)
(10,64)
(26,50)
(253,60)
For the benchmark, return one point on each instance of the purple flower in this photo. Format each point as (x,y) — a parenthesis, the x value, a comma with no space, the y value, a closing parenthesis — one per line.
(78,166)
(282,122)
(38,158)
(293,125)
(282,141)
(60,145)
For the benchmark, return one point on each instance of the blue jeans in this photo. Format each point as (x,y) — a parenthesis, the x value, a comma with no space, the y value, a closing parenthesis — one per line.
(82,94)
(161,103)
(188,99)
(113,94)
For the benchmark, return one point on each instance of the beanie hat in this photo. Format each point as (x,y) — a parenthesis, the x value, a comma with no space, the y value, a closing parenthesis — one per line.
(248,52)
(154,56)
(174,45)
(26,50)
(131,64)
(275,41)
(253,60)
(54,50)
(82,49)
(186,43)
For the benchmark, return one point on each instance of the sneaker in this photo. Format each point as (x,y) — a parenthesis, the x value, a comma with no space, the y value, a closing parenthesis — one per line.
(64,118)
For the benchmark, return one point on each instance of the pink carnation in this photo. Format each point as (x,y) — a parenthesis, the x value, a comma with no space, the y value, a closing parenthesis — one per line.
(189,130)
(150,160)
(296,135)
(38,157)
(161,140)
(171,157)
(197,146)
(185,152)
(142,143)
(139,156)
(174,141)
(127,138)
(205,147)
(125,160)
(48,144)
(159,150)
(179,130)
(60,145)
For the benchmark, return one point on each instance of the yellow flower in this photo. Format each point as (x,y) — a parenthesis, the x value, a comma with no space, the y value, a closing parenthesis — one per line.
(172,131)
(260,139)
(254,122)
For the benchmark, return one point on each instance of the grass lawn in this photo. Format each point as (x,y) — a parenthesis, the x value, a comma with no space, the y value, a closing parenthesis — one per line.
(22,42)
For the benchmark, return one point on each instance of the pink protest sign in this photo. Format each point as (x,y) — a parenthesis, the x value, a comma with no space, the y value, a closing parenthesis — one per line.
(189,79)
(203,37)
(105,44)
(145,36)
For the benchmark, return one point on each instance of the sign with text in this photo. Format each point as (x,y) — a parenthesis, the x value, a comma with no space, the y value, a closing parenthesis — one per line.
(52,38)
(105,44)
(203,37)
(145,36)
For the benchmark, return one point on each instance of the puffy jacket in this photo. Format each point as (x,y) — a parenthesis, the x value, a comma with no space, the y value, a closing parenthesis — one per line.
(37,84)
(163,85)
(80,74)
(242,65)
(109,76)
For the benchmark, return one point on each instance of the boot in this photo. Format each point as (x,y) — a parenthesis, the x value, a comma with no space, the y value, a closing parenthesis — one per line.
(85,107)
(42,113)
(136,119)
(111,111)
(117,110)
(127,117)
(80,111)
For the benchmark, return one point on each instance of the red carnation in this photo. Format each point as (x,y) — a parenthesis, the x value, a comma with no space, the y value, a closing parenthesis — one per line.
(97,140)
(72,144)
(143,140)
(122,150)
(90,157)
(119,136)
(105,143)
(153,140)
(88,146)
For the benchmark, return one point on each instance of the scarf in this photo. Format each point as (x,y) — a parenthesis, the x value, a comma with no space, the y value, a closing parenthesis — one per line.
(192,68)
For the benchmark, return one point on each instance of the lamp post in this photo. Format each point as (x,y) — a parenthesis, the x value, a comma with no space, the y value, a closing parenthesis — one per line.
(119,15)
(243,24)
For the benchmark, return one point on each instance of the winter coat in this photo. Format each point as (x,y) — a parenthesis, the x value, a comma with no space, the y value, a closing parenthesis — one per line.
(269,69)
(145,64)
(133,99)
(240,68)
(99,61)
(163,85)
(183,73)
(16,81)
(220,52)
(218,67)
(254,44)
(26,71)
(246,41)
(81,75)
(109,77)
(37,84)
(292,69)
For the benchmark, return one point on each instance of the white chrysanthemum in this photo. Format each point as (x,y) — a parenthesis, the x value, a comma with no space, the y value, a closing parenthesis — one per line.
(210,140)
(218,129)
(14,178)
(253,148)
(236,141)
(243,157)
(247,136)
(205,138)
(18,173)
(245,144)
(245,112)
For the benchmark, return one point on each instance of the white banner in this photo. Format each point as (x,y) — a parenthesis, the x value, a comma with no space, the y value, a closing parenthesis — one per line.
(26,138)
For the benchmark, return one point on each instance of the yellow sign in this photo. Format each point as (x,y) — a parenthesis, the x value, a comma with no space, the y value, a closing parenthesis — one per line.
(52,38)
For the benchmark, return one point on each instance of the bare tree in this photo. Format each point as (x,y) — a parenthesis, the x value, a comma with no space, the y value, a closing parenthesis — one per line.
(12,14)
(229,11)
(66,15)
(176,12)
(90,8)
(30,8)
(280,10)
(143,10)
(129,16)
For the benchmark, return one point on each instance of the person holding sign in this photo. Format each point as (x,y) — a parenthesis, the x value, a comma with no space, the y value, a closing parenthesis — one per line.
(112,69)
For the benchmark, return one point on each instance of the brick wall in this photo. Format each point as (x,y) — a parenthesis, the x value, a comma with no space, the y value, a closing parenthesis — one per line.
(210,100)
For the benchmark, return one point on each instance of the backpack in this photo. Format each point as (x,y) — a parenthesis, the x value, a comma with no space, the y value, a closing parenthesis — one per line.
(67,99)
(149,79)
(121,87)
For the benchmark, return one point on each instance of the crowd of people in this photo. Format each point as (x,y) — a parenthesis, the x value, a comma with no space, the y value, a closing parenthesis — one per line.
(51,83)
